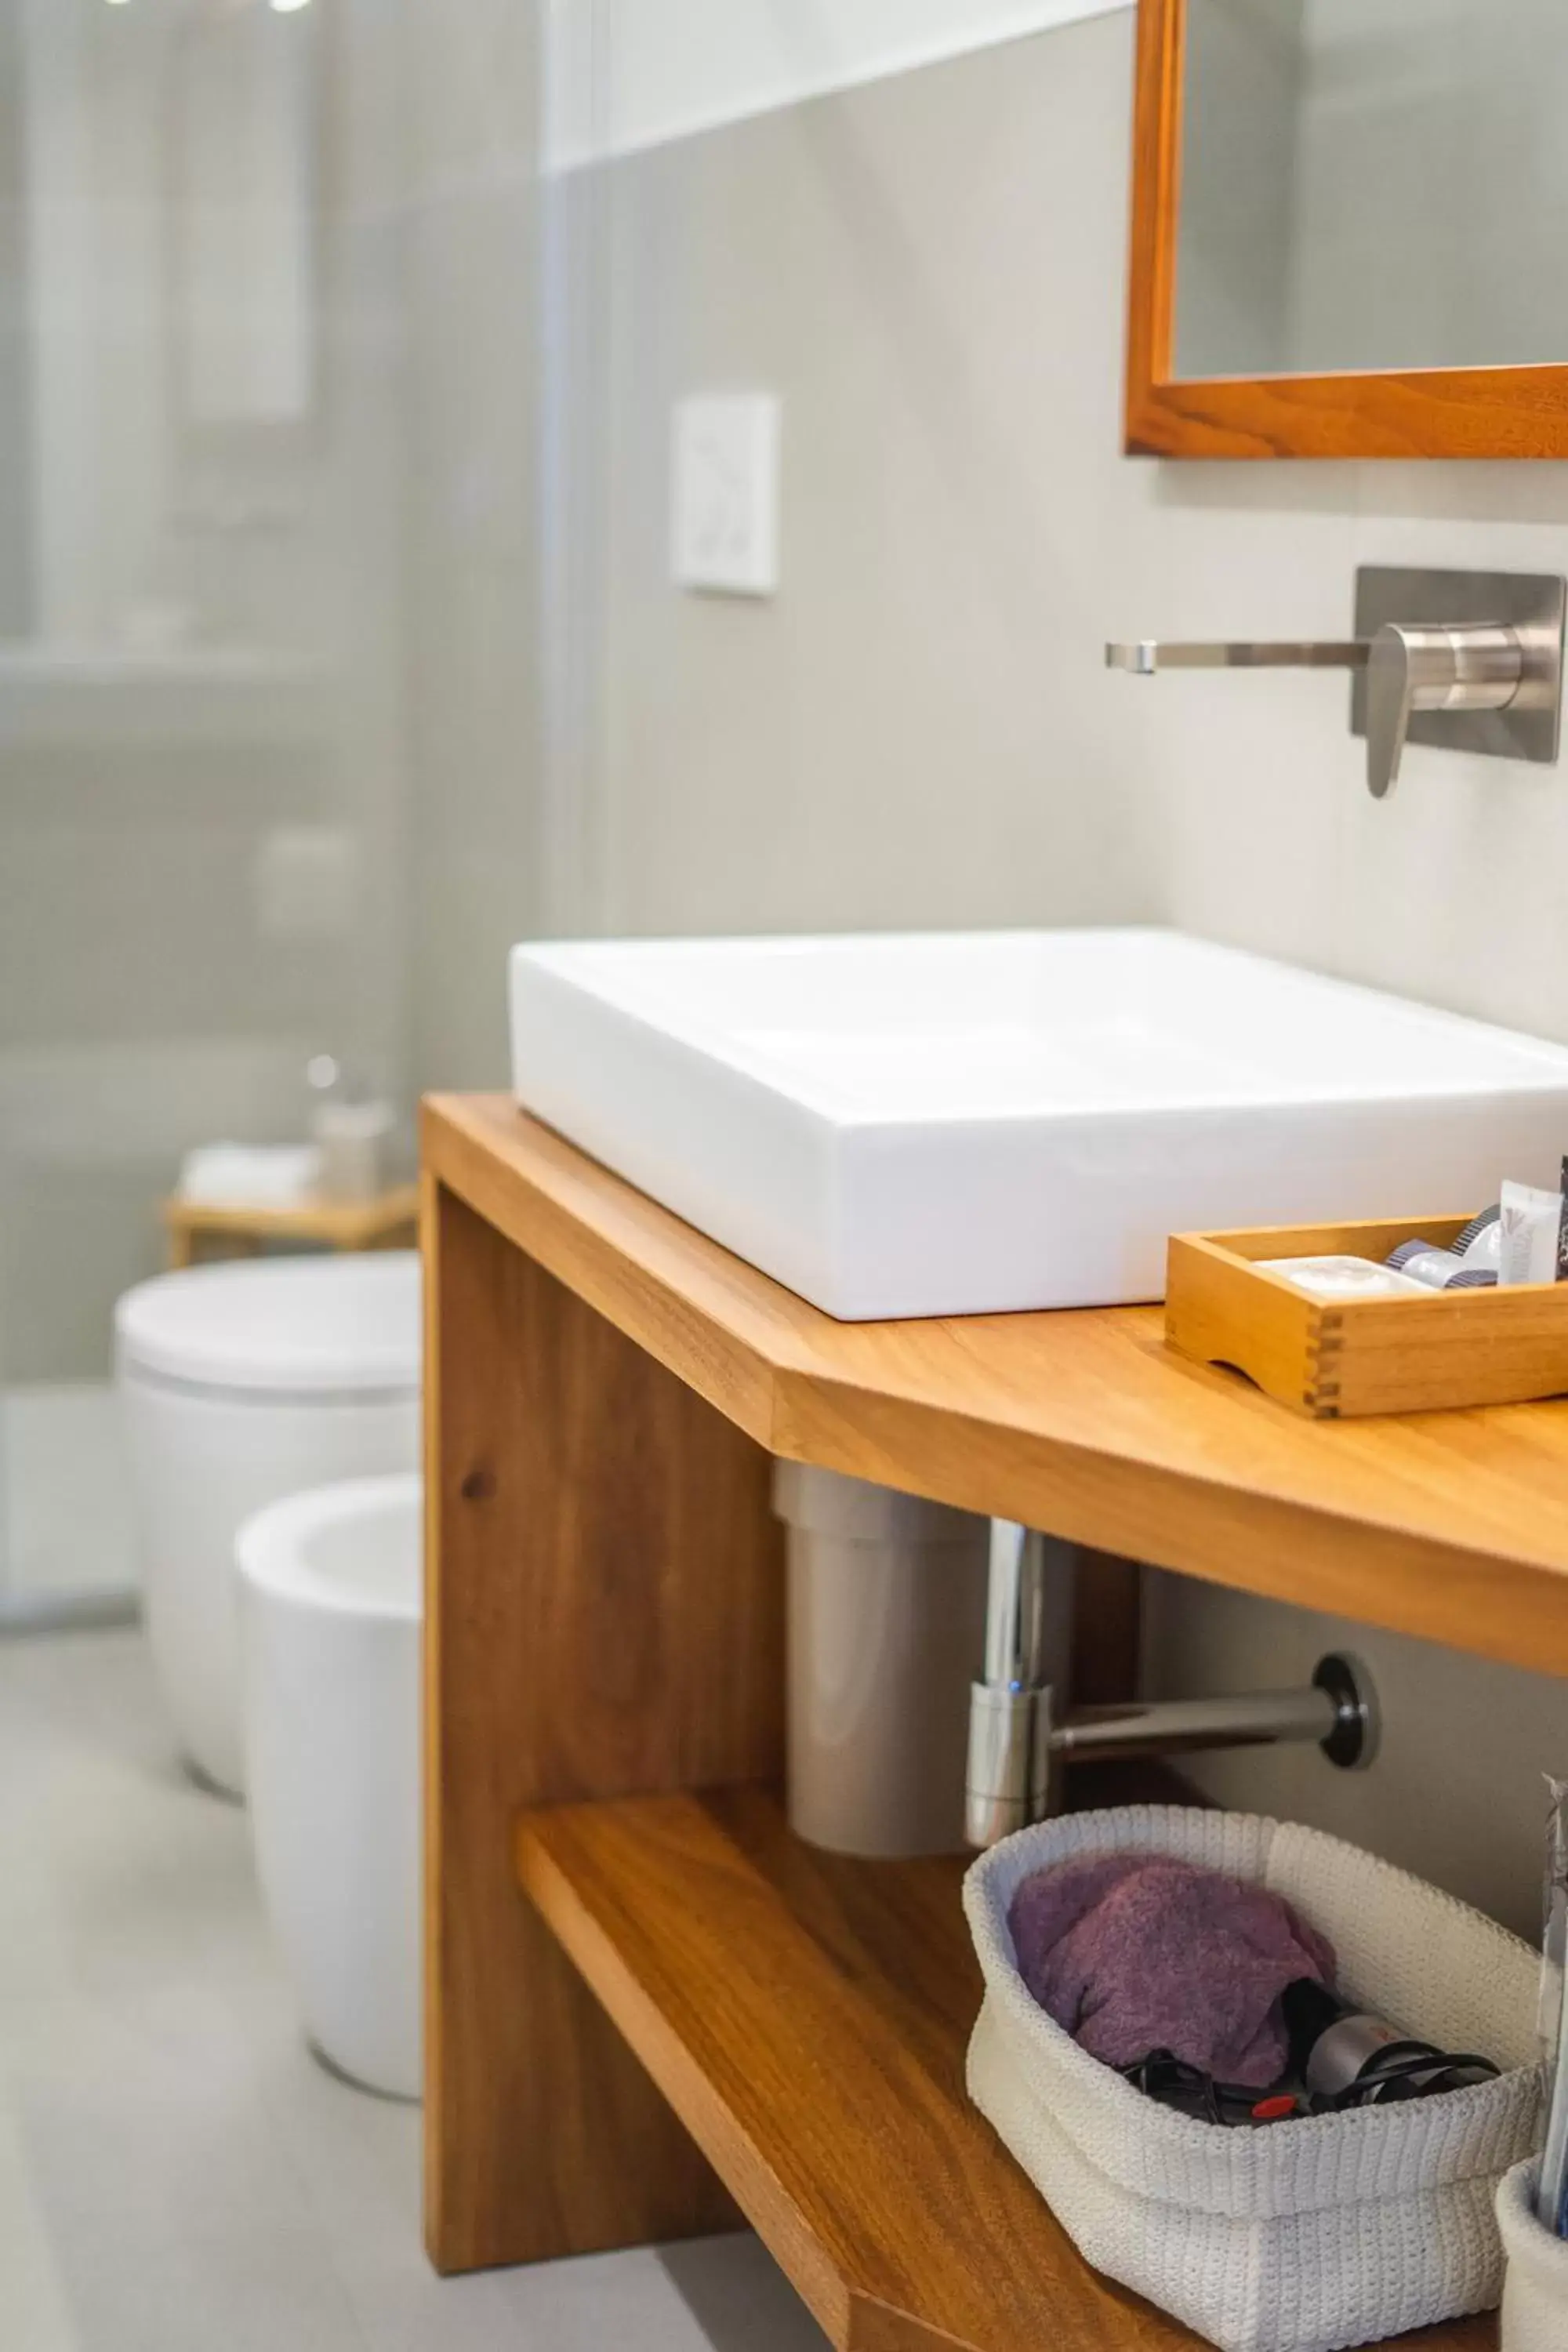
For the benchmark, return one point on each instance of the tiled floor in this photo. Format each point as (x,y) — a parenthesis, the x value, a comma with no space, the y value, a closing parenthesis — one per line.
(176,2174)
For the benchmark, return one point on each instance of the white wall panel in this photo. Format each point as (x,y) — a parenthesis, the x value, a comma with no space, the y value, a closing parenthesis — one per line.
(627,74)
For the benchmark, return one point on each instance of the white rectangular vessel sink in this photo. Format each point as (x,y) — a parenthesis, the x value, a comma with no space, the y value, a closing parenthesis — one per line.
(971,1123)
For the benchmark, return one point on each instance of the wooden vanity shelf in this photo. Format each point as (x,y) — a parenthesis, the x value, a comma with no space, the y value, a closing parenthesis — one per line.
(691,2008)
(806,2018)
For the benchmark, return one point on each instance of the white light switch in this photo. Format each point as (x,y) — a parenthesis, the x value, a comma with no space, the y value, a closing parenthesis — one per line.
(725,507)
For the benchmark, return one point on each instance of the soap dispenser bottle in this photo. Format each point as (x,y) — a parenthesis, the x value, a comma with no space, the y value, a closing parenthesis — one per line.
(351,1131)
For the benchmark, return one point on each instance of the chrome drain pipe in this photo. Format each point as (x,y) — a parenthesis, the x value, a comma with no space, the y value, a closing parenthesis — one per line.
(1338,1710)
(1028,1623)
(1021,1736)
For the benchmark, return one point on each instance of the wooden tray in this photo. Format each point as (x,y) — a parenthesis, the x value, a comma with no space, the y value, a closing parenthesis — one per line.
(1334,1359)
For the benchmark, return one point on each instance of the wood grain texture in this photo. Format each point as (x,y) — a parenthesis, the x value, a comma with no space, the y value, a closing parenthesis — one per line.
(807,2018)
(604,1614)
(1343,1357)
(1453,1526)
(1157,117)
(1510,412)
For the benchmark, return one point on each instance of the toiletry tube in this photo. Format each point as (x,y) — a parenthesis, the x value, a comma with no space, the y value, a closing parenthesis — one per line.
(1424,1263)
(1482,1234)
(1485,1251)
(1531,1234)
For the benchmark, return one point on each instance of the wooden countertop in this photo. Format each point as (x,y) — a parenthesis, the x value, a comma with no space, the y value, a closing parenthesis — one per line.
(1451,1525)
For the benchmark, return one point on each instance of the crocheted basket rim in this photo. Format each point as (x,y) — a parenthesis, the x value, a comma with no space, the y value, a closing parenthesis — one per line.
(1183,2160)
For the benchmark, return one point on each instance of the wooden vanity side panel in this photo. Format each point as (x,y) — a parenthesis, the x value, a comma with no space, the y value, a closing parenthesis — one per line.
(604,1614)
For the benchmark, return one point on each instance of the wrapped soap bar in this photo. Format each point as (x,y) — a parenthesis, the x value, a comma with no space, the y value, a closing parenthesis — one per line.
(1343,1277)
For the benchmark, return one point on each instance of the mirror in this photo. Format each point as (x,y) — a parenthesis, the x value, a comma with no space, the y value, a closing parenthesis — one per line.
(1346,228)
(1371,184)
(245,217)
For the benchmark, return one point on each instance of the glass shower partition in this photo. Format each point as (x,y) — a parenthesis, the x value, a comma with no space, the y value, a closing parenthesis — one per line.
(201,732)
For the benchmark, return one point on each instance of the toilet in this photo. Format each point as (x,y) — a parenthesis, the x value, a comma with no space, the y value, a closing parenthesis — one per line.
(331,1608)
(240,1385)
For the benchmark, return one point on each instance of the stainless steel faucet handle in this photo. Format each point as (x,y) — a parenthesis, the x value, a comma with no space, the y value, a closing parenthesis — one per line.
(1390,705)
(1478,668)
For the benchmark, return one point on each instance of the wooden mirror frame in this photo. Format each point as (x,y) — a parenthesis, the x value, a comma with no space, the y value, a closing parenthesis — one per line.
(1504,412)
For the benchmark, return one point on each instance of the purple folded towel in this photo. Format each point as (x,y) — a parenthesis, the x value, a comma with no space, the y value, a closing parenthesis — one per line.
(1134,1952)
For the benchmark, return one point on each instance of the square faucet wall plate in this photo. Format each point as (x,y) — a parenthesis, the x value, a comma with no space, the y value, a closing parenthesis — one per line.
(971,1123)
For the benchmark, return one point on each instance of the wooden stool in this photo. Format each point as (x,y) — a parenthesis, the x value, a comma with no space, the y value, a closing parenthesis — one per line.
(198,1229)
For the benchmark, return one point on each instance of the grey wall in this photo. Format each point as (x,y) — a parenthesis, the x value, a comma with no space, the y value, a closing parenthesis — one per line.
(921,727)
(920,730)
(902,737)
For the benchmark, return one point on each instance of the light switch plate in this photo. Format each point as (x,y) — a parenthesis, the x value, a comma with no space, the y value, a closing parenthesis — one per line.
(725,497)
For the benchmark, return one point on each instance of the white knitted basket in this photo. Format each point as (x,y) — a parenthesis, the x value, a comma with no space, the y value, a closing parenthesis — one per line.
(1535,2291)
(1297,2237)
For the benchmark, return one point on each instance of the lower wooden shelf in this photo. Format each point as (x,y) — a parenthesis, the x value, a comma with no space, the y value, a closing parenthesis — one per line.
(806,2016)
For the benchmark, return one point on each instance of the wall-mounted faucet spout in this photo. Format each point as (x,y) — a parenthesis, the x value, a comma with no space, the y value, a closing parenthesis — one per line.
(1147,656)
(1426,668)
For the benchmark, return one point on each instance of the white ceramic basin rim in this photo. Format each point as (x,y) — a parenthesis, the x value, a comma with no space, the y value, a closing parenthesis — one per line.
(952,1123)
